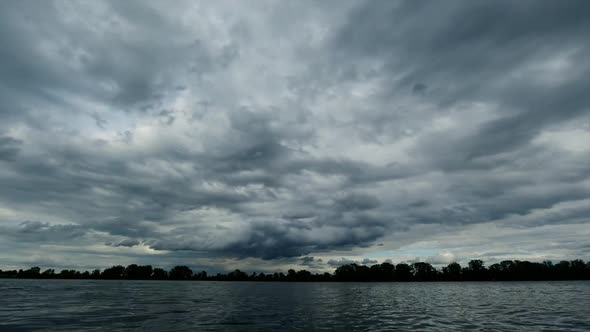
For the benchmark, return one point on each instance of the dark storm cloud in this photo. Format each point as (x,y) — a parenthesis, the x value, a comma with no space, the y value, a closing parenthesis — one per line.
(467,51)
(343,261)
(277,239)
(312,262)
(9,147)
(86,59)
(471,40)
(359,202)
(226,131)
(125,243)
(36,231)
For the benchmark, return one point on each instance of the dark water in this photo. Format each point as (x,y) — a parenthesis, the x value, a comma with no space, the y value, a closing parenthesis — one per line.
(77,305)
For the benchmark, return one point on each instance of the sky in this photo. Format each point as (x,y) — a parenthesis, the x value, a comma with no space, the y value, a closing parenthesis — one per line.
(268,135)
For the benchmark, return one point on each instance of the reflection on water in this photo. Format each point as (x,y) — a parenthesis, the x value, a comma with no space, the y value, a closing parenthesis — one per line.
(83,305)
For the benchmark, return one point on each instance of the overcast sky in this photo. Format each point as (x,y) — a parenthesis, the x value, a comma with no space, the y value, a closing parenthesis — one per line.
(267,135)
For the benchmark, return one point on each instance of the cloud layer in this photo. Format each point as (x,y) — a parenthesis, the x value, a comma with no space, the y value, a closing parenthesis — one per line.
(275,134)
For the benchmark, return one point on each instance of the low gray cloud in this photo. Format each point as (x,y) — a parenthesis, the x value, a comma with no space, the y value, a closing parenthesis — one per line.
(293,133)
(36,231)
(124,243)
(9,148)
(343,261)
(312,262)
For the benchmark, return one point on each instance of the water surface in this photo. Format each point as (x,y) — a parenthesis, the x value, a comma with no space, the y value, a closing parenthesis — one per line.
(85,305)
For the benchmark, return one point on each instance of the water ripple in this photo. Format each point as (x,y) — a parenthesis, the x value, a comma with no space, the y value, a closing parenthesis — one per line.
(78,305)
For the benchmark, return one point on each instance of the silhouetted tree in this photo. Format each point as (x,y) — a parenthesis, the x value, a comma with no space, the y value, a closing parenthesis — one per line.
(291,275)
(382,272)
(95,274)
(180,273)
(424,272)
(452,272)
(48,274)
(403,272)
(303,275)
(419,271)
(69,274)
(200,276)
(31,273)
(577,268)
(115,272)
(9,274)
(344,273)
(135,271)
(476,270)
(160,274)
(237,275)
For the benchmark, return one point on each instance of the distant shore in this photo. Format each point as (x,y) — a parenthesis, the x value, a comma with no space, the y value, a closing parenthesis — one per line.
(508,270)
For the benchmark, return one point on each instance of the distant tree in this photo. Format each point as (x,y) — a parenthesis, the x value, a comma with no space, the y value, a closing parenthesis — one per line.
(200,276)
(476,270)
(131,272)
(507,270)
(48,274)
(403,272)
(237,275)
(424,272)
(180,273)
(346,273)
(34,272)
(562,270)
(382,272)
(135,271)
(524,270)
(160,274)
(495,272)
(115,272)
(326,277)
(420,271)
(476,265)
(9,274)
(95,274)
(452,272)
(69,274)
(549,270)
(303,275)
(363,273)
(577,269)
(375,273)
(291,275)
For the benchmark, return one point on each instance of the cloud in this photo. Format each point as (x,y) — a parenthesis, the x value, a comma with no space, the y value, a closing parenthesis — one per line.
(36,231)
(9,148)
(231,134)
(359,202)
(344,261)
(312,262)
(125,243)
(440,259)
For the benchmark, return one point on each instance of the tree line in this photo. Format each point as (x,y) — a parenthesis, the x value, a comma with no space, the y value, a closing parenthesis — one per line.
(508,270)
